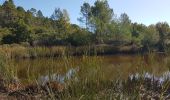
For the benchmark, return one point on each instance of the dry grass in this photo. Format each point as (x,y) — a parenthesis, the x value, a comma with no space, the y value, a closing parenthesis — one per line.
(18,51)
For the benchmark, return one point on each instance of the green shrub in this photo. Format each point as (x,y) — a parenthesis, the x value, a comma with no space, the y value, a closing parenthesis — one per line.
(79,38)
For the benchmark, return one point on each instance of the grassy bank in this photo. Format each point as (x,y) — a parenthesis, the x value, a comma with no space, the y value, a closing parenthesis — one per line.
(19,51)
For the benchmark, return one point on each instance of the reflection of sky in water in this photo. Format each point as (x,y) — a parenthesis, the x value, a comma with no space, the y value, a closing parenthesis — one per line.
(57,77)
(70,74)
(164,77)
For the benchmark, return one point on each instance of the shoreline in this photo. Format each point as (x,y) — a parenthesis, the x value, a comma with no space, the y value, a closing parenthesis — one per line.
(23,52)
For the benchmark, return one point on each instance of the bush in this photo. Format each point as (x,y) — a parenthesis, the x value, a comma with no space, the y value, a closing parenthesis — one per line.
(80,38)
(20,33)
(8,39)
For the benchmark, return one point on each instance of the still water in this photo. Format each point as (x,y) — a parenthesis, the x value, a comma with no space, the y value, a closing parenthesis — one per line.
(112,67)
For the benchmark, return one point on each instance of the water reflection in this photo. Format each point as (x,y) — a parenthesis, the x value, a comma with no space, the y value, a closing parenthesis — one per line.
(160,79)
(57,77)
(117,66)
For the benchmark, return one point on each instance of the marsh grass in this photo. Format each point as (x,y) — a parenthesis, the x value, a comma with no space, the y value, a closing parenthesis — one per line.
(19,52)
(89,81)
(7,70)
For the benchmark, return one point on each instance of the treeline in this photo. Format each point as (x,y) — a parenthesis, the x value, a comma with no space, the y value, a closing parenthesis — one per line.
(99,26)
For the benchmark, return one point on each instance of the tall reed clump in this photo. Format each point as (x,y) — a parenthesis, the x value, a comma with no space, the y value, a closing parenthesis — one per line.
(7,70)
(14,51)
(18,51)
(89,81)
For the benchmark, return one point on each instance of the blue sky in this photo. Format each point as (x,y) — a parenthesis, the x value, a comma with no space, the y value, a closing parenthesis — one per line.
(141,11)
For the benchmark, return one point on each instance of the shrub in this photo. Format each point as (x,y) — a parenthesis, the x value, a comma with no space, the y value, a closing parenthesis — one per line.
(80,37)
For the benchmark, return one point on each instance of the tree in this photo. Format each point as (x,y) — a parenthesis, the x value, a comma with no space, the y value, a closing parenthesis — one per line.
(57,14)
(20,9)
(63,29)
(124,19)
(8,14)
(61,23)
(40,14)
(4,32)
(21,32)
(79,37)
(151,37)
(9,2)
(86,14)
(65,15)
(102,15)
(28,19)
(20,12)
(138,31)
(113,31)
(33,11)
(163,29)
(125,27)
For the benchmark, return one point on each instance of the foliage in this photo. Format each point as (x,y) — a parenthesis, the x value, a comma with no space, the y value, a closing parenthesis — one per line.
(164,32)
(125,27)
(100,26)
(151,37)
(80,37)
(20,33)
(86,15)
(101,16)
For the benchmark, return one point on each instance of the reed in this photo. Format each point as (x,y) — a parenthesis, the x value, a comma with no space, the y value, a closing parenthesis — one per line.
(87,81)
(20,51)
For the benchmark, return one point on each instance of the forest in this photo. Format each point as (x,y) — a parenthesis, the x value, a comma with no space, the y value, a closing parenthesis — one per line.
(99,25)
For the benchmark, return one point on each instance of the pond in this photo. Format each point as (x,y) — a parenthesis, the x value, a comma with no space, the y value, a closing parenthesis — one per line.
(111,67)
